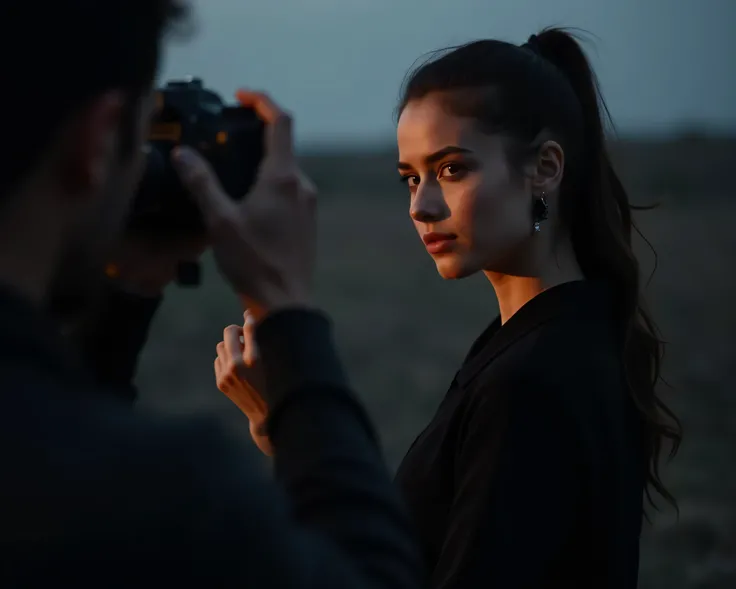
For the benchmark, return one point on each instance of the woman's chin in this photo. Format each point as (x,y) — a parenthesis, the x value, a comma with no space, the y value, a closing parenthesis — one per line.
(452,267)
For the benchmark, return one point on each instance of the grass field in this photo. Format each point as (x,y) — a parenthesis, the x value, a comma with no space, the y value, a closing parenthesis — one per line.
(403,332)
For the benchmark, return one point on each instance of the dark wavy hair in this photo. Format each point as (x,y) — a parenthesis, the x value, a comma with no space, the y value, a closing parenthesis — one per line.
(547,85)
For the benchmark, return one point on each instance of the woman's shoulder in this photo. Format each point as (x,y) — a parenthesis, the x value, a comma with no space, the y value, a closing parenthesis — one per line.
(567,347)
(568,360)
(573,342)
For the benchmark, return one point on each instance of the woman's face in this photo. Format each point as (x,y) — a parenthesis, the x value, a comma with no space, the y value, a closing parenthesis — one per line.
(472,211)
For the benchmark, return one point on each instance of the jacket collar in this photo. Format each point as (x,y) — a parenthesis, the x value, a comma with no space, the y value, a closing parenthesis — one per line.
(579,298)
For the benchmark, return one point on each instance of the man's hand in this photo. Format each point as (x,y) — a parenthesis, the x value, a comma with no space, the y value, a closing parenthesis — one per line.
(265,244)
(238,375)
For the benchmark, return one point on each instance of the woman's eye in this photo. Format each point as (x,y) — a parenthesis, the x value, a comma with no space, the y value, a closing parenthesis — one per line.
(450,170)
(410,180)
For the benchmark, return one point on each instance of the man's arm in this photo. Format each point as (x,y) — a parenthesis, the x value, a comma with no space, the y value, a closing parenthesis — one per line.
(334,520)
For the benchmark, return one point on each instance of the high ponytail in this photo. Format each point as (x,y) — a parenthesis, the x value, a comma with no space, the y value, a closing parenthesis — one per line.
(601,227)
(548,84)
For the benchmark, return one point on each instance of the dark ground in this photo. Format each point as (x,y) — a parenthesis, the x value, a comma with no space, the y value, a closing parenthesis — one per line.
(403,331)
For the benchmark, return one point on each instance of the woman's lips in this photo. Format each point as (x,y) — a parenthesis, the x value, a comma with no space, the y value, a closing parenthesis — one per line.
(438,243)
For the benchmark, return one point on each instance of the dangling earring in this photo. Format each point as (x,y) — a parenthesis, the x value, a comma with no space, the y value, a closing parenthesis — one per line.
(540,211)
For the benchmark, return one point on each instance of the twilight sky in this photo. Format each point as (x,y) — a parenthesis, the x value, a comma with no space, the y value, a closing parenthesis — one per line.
(338,64)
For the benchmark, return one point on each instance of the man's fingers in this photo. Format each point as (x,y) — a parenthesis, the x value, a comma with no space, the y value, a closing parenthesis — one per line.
(266,109)
(250,351)
(279,125)
(202,184)
(233,347)
(309,189)
(260,428)
(249,323)
(308,192)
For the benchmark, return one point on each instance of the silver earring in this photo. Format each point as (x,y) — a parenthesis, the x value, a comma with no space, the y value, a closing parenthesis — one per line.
(540,211)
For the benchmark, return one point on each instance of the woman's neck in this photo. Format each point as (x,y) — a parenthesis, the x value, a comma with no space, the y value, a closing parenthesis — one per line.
(513,292)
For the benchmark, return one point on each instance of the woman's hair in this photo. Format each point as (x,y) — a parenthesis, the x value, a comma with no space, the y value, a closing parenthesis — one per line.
(546,89)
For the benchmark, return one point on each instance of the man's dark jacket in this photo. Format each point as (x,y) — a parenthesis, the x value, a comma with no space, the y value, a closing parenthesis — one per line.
(97,493)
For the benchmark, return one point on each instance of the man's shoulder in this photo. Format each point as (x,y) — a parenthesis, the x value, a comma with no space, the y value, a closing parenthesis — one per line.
(62,438)
(79,413)
(93,473)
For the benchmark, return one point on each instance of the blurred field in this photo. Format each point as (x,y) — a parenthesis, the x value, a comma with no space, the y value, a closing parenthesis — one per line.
(403,331)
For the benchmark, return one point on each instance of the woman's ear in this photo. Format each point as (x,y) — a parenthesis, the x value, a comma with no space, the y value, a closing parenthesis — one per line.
(550,165)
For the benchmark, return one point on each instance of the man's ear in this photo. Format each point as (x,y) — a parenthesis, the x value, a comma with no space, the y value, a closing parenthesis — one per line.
(90,143)
(549,168)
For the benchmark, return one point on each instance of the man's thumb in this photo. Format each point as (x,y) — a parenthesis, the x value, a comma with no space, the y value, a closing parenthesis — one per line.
(200,180)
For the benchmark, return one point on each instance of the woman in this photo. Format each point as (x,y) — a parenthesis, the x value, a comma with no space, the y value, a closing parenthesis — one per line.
(532,472)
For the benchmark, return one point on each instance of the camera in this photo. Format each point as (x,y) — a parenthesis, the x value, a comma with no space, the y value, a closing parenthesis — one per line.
(230,138)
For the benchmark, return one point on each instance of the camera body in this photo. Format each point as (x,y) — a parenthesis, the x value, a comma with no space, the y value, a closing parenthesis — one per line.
(230,138)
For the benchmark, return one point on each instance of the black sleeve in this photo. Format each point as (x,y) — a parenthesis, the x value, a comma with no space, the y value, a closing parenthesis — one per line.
(198,510)
(111,336)
(334,520)
(517,484)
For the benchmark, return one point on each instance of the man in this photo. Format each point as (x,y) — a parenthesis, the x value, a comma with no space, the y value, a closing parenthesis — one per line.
(94,493)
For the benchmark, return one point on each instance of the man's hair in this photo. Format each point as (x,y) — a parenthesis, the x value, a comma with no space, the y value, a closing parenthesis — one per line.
(58,55)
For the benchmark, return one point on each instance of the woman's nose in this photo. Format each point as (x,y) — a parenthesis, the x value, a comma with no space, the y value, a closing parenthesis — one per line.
(429,206)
